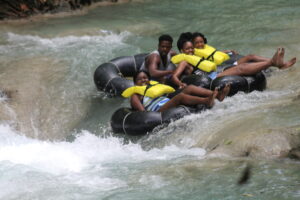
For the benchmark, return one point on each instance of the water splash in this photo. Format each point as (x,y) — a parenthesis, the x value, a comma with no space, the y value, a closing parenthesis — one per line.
(85,151)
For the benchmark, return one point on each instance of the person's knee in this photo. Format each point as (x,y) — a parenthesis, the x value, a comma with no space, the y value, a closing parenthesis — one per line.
(183,63)
(241,69)
(180,97)
(191,87)
(250,56)
(188,89)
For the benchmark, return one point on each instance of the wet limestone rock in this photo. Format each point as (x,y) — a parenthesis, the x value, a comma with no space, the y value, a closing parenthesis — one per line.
(16,9)
(262,143)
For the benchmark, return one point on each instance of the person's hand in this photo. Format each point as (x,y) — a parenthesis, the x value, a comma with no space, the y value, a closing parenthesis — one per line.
(182,85)
(172,72)
(166,77)
(234,52)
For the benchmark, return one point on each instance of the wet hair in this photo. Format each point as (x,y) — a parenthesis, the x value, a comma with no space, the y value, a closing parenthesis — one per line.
(198,34)
(183,38)
(136,74)
(165,37)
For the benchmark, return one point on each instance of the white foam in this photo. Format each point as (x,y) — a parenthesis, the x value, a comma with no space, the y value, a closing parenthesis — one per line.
(154,181)
(2,96)
(87,150)
(108,37)
(92,49)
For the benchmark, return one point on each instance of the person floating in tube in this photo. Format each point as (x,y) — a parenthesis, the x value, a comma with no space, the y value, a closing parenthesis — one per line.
(149,95)
(158,63)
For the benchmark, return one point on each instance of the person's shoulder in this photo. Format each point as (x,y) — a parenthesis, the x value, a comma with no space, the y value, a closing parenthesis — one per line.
(136,95)
(153,57)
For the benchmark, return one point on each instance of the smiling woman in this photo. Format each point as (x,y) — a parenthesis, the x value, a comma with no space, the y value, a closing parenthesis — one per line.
(188,96)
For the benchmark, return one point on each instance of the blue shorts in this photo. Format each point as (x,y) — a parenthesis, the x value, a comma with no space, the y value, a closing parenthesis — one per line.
(213,75)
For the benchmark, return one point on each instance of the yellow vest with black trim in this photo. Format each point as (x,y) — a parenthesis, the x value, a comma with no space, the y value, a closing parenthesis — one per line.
(211,54)
(196,61)
(155,90)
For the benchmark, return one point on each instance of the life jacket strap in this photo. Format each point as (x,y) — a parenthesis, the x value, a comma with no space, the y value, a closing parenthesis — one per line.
(148,87)
(211,56)
(199,62)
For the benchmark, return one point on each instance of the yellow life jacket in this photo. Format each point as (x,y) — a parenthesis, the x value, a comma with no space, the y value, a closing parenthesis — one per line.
(210,53)
(196,61)
(153,90)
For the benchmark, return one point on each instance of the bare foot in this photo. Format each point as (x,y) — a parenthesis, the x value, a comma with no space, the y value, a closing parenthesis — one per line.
(275,58)
(211,98)
(289,63)
(223,93)
(279,60)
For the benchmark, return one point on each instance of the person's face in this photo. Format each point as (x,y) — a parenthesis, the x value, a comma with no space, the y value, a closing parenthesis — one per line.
(142,79)
(164,47)
(199,42)
(188,48)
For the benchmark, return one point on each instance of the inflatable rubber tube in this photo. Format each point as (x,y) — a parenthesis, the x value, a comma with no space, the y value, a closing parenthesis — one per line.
(138,123)
(238,83)
(241,83)
(110,77)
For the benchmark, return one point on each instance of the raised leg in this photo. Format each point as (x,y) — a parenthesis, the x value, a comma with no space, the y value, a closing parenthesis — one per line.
(253,68)
(189,100)
(252,58)
(197,91)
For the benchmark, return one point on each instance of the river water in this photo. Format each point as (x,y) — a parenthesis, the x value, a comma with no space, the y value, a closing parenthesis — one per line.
(55,139)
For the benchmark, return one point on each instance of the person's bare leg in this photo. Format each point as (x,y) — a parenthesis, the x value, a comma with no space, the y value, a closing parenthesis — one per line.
(202,92)
(197,91)
(256,58)
(289,63)
(252,68)
(252,58)
(188,100)
(246,69)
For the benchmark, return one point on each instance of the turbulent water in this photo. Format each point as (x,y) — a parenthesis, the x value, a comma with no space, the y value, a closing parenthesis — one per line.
(55,139)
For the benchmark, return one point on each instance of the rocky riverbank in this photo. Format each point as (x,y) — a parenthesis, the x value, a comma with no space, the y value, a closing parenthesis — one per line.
(272,143)
(17,9)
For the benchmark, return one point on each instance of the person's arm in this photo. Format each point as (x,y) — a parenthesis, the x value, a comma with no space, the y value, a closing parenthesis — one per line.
(136,103)
(178,72)
(152,63)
